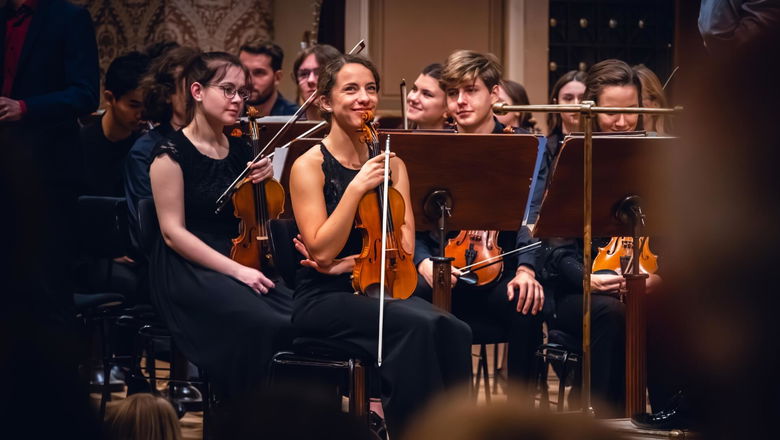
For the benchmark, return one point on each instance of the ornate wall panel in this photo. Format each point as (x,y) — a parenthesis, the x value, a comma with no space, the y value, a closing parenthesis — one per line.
(125,25)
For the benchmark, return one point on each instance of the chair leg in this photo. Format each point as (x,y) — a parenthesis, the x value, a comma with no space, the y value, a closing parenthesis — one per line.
(106,390)
(358,396)
(496,368)
(483,366)
(562,383)
(543,375)
(151,365)
(207,405)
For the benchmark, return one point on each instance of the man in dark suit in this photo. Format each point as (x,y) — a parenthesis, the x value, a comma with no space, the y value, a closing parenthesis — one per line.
(48,77)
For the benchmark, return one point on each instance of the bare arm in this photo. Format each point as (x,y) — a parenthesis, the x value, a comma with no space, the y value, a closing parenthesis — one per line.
(401,183)
(323,235)
(168,192)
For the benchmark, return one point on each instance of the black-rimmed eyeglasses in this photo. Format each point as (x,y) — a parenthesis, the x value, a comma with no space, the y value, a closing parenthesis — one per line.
(231,91)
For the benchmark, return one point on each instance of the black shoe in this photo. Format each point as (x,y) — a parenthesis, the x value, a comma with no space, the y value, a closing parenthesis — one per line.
(675,416)
(185,395)
(377,426)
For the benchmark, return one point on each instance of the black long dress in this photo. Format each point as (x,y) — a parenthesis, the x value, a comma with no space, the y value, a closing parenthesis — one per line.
(425,348)
(218,323)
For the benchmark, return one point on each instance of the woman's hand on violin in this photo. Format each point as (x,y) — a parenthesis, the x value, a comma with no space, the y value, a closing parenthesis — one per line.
(260,170)
(425,268)
(254,279)
(607,282)
(530,294)
(371,174)
(337,267)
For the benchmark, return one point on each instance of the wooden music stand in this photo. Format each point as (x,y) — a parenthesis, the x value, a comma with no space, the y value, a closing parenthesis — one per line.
(296,148)
(626,180)
(465,181)
(269,126)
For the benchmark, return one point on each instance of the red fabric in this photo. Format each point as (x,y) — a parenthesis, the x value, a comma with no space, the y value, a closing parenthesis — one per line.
(16,27)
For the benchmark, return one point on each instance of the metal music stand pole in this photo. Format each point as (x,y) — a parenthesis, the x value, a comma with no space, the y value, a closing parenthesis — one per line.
(586,122)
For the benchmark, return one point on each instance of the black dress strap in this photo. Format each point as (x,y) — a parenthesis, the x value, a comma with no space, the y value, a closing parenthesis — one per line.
(337,178)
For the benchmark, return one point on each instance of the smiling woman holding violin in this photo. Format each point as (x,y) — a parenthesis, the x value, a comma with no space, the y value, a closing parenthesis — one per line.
(225,317)
(426,349)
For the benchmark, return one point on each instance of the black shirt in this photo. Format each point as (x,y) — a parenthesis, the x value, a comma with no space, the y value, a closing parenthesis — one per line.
(103,161)
(283,107)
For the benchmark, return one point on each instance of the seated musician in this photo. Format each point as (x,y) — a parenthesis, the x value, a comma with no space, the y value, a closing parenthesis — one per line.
(610,83)
(224,317)
(652,96)
(425,349)
(106,141)
(516,298)
(264,60)
(569,89)
(105,144)
(512,92)
(426,103)
(164,104)
(306,70)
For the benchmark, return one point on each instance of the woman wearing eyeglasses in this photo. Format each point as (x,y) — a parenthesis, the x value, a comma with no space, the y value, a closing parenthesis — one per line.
(224,317)
(306,71)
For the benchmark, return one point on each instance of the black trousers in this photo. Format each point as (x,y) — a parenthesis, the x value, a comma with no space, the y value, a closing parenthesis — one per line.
(425,350)
(487,307)
(607,347)
(664,377)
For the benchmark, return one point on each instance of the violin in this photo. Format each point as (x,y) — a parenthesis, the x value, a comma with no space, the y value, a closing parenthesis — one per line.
(254,205)
(618,254)
(400,277)
(469,249)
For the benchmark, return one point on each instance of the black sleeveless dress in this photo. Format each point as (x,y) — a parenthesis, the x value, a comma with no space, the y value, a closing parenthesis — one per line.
(425,349)
(218,323)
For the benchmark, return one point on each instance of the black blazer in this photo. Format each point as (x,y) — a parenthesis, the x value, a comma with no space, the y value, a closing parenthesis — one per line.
(58,79)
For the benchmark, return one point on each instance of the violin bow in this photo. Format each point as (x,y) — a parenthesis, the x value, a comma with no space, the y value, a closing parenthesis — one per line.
(671,75)
(465,270)
(223,199)
(404,107)
(383,256)
(302,135)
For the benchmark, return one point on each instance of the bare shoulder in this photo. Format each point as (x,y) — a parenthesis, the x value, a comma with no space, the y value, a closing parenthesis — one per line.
(310,159)
(397,164)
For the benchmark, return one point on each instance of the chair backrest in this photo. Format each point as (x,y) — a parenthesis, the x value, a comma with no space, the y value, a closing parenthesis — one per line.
(103,230)
(148,227)
(286,258)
